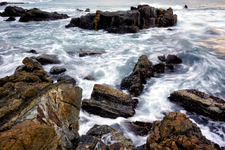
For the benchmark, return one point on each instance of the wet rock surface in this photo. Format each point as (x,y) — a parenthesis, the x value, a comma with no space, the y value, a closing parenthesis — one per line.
(57,70)
(104,137)
(29,95)
(67,78)
(139,128)
(201,103)
(45,59)
(176,131)
(85,52)
(134,82)
(34,14)
(131,21)
(109,102)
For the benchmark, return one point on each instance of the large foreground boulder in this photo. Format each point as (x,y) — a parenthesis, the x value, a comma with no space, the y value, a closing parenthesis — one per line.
(201,103)
(142,17)
(134,82)
(30,95)
(176,131)
(109,102)
(105,138)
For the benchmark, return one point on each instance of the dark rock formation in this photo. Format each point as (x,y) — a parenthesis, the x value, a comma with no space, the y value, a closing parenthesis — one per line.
(13,11)
(162,58)
(139,128)
(32,51)
(176,131)
(39,15)
(89,77)
(68,79)
(36,113)
(185,6)
(129,21)
(87,10)
(47,59)
(11,19)
(109,102)
(142,70)
(159,68)
(85,52)
(57,70)
(173,59)
(6,3)
(201,103)
(31,14)
(104,137)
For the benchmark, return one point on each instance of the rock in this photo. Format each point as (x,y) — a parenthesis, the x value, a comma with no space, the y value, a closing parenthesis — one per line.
(87,10)
(39,15)
(80,10)
(170,67)
(57,70)
(201,103)
(126,21)
(11,19)
(3,3)
(47,59)
(104,137)
(162,58)
(68,79)
(159,68)
(13,11)
(32,51)
(185,6)
(139,128)
(109,102)
(89,77)
(84,52)
(142,70)
(176,131)
(6,3)
(173,59)
(29,135)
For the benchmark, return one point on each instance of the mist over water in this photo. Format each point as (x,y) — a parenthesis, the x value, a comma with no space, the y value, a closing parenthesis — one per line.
(198,39)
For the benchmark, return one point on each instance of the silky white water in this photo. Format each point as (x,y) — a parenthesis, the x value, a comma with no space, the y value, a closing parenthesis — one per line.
(198,39)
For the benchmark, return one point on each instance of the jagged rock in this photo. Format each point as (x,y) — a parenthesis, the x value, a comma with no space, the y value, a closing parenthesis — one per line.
(11,19)
(139,128)
(13,11)
(68,79)
(100,137)
(57,70)
(201,103)
(173,59)
(109,102)
(47,59)
(126,21)
(142,70)
(84,52)
(176,131)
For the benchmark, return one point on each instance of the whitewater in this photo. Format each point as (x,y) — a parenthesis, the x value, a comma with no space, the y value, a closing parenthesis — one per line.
(198,39)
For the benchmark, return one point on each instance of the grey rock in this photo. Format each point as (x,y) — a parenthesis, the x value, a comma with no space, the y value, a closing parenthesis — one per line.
(57,70)
(47,59)
(84,52)
(68,79)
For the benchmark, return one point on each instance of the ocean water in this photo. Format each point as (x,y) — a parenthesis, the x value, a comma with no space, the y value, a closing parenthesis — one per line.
(198,39)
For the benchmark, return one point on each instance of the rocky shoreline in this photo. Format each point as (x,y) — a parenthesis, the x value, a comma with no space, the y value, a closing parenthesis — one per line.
(32,108)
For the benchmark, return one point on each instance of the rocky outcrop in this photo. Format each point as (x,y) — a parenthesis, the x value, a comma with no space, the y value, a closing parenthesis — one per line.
(170,60)
(85,52)
(142,17)
(57,70)
(105,138)
(176,131)
(109,102)
(30,96)
(6,3)
(138,127)
(201,103)
(45,59)
(29,135)
(67,78)
(134,82)
(31,14)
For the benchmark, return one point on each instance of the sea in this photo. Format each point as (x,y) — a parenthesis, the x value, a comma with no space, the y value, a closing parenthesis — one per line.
(198,39)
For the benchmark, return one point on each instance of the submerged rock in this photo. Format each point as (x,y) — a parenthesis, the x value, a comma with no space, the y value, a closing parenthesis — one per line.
(45,59)
(176,131)
(85,52)
(134,82)
(201,103)
(89,77)
(109,102)
(32,51)
(104,137)
(129,21)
